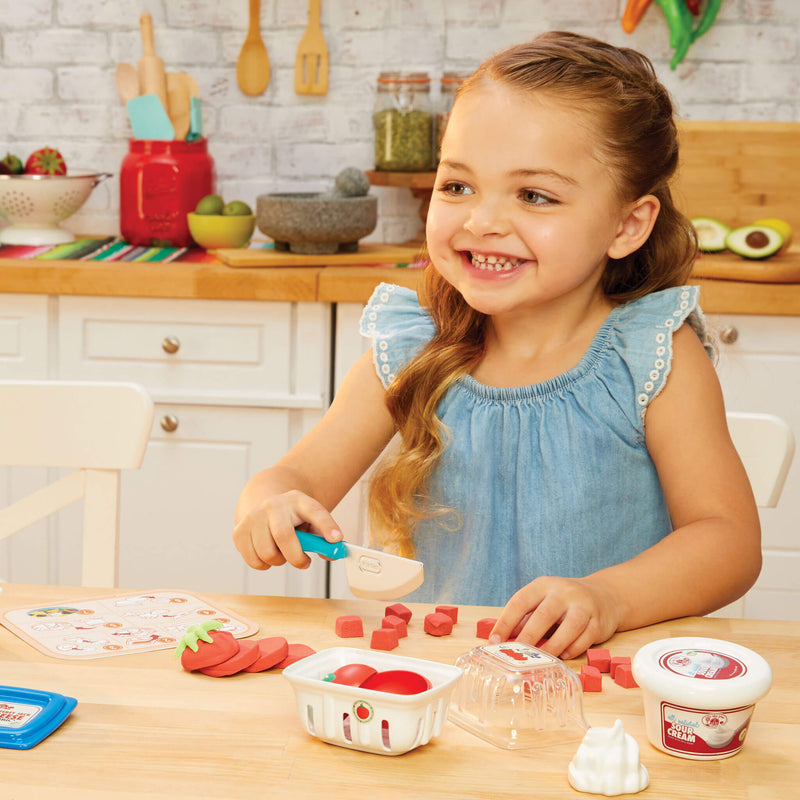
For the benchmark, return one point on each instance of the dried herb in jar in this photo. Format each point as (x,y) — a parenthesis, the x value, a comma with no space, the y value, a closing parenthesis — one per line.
(403,123)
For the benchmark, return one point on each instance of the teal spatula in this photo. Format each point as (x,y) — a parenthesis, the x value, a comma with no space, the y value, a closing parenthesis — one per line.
(149,118)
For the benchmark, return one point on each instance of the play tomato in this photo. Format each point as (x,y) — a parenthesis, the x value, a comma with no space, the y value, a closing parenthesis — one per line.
(46,161)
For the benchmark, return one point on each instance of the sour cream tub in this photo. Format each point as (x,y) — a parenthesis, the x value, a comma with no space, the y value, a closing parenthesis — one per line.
(699,694)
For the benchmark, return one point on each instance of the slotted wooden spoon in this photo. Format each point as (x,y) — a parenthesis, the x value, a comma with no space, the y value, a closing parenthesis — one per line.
(311,63)
(252,68)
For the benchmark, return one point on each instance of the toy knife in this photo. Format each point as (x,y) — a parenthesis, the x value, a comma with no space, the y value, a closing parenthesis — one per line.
(372,574)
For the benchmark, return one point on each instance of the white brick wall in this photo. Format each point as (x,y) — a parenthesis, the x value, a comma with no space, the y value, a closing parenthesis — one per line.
(57,60)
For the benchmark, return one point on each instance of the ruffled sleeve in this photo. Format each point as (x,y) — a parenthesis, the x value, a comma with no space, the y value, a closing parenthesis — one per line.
(398,326)
(644,329)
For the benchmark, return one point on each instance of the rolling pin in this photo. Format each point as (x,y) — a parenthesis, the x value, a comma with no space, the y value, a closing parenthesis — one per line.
(152,79)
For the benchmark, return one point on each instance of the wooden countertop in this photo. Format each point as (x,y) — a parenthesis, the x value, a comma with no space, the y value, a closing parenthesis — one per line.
(145,728)
(326,284)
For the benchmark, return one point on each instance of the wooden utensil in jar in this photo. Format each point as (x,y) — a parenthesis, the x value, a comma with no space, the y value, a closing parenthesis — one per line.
(179,102)
(126,79)
(311,62)
(152,79)
(252,67)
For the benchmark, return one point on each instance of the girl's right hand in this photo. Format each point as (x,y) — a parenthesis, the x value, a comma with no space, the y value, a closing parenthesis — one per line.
(265,536)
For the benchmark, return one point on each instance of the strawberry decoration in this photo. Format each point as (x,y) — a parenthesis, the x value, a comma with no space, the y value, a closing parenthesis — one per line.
(46,161)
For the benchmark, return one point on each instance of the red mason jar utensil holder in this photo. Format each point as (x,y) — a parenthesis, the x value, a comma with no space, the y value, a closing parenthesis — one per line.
(160,183)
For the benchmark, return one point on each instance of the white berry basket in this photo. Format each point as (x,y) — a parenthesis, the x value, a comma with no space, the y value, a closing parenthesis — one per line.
(35,205)
(364,719)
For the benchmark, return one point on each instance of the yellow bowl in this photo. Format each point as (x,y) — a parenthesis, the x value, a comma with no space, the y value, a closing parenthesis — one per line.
(211,231)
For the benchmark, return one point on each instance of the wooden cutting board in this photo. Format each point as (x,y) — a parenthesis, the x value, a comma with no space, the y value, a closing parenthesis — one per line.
(784,268)
(368,253)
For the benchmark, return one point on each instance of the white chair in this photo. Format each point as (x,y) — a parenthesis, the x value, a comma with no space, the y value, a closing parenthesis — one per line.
(96,428)
(765,444)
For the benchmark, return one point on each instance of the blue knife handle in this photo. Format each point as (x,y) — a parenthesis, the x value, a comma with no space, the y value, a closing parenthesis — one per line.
(311,543)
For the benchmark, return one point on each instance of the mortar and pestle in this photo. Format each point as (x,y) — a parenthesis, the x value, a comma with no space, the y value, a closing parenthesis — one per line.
(320,223)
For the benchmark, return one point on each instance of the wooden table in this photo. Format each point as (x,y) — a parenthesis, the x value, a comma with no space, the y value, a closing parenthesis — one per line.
(143,727)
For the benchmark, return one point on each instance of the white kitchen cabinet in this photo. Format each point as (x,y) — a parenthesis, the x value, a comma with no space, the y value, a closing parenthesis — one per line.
(177,510)
(271,354)
(24,351)
(235,384)
(759,368)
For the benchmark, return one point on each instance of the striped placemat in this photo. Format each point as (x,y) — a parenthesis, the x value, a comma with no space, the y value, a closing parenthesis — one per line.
(110,248)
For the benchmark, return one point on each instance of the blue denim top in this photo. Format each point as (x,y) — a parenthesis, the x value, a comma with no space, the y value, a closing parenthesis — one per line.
(548,479)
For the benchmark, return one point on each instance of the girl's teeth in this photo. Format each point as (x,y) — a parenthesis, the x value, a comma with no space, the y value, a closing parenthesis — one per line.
(494,263)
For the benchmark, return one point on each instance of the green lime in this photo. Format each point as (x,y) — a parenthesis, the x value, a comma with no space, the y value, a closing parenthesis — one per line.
(210,204)
(236,208)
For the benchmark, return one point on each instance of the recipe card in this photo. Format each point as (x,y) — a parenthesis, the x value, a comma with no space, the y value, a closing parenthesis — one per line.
(118,624)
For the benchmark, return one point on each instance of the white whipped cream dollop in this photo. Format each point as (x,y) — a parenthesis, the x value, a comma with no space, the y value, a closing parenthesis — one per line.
(607,762)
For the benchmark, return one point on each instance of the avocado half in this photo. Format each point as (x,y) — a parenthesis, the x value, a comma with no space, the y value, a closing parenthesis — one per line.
(754,241)
(711,234)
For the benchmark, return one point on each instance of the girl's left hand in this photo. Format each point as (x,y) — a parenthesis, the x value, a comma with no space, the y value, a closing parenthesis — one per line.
(574,613)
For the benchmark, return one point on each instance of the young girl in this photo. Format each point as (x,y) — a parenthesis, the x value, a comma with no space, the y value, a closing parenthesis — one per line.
(563,446)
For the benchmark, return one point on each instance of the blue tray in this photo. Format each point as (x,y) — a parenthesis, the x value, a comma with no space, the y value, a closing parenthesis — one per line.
(28,715)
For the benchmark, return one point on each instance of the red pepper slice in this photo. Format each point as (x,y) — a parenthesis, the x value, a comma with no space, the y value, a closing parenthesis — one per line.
(693,6)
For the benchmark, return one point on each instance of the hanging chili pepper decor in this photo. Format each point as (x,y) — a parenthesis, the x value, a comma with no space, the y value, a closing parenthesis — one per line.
(678,13)
(633,14)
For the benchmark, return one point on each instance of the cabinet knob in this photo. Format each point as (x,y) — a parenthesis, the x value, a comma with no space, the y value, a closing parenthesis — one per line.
(729,334)
(169,422)
(171,344)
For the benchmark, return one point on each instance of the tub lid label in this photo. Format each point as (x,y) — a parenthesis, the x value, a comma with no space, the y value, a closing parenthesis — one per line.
(519,655)
(703,664)
(17,715)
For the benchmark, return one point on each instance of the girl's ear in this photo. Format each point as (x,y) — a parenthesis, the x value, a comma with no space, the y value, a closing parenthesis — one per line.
(635,227)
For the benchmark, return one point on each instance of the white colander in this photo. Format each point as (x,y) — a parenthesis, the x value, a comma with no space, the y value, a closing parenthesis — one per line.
(36,204)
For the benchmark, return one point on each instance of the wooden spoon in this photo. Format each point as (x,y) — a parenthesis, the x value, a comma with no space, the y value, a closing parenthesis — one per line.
(126,79)
(252,68)
(178,100)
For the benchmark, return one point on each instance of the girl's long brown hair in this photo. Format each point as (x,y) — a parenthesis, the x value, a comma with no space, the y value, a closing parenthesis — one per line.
(616,90)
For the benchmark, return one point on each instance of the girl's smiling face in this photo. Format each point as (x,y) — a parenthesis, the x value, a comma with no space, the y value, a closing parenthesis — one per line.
(523,212)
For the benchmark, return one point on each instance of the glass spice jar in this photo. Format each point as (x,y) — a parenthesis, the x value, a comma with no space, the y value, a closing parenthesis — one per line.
(403,122)
(449,85)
